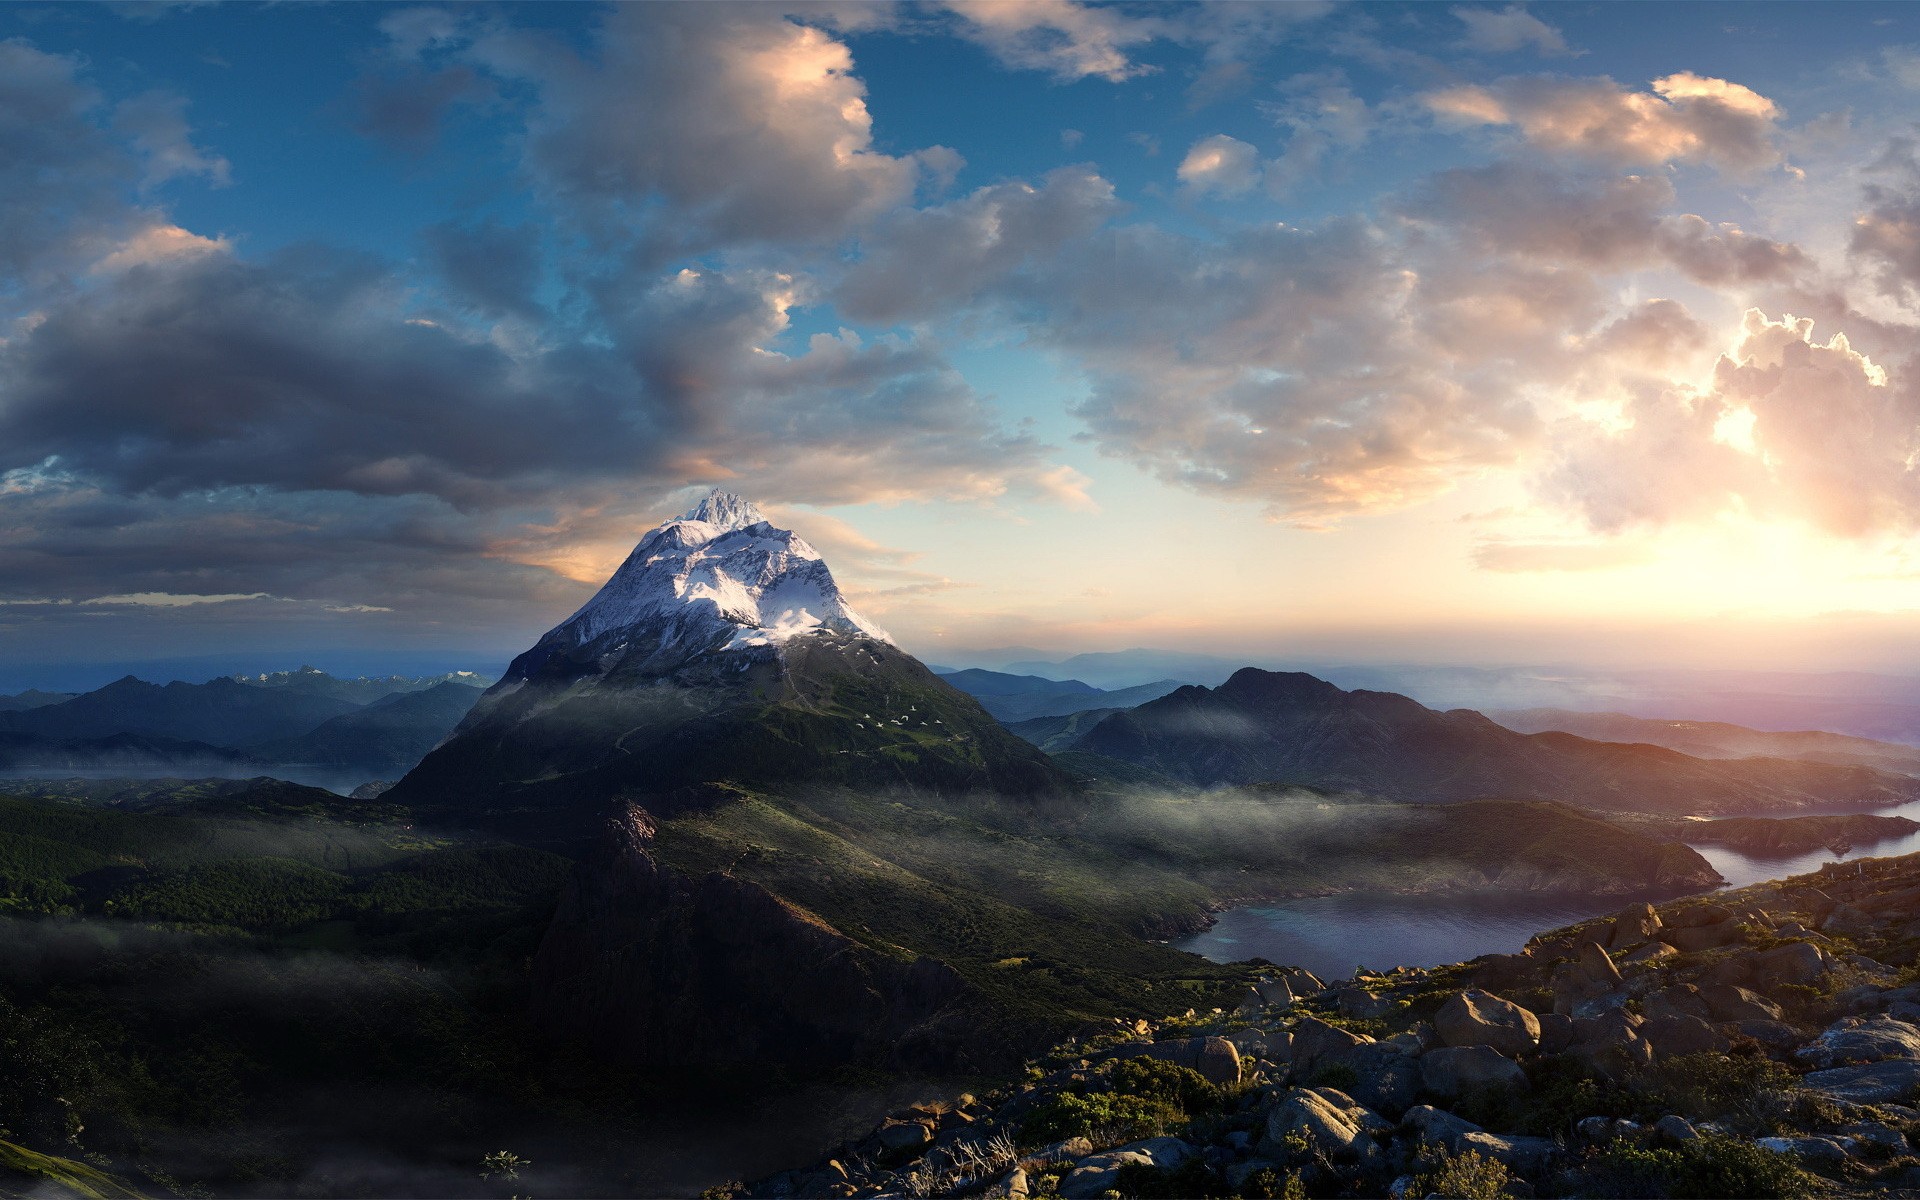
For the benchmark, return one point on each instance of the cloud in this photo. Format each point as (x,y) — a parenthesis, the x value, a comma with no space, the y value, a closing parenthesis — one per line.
(156,124)
(1610,223)
(159,244)
(493,268)
(1791,428)
(1526,557)
(1507,30)
(1684,118)
(62,176)
(692,126)
(1066,39)
(1323,117)
(1220,165)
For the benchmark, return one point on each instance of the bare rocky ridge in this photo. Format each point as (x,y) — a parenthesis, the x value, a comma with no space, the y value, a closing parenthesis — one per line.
(1761,1042)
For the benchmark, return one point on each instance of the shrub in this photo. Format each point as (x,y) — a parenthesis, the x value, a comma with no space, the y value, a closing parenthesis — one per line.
(1103,1117)
(1182,1087)
(1707,1168)
(1751,1093)
(1469,1176)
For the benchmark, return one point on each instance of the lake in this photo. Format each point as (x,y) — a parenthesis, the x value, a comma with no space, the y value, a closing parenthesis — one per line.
(1330,935)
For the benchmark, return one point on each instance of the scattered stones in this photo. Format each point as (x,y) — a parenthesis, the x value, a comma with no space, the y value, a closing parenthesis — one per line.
(1477,1018)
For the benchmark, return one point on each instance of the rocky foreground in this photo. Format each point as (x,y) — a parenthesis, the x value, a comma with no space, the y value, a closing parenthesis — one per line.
(1759,1042)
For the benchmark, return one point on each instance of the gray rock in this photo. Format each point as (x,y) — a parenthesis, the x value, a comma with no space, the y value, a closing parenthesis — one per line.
(1690,938)
(1276,992)
(1796,963)
(1240,1172)
(1317,1045)
(1675,1128)
(1651,952)
(1214,1057)
(1334,1123)
(1671,1037)
(1879,1134)
(1774,1035)
(1700,915)
(1011,1186)
(1452,1070)
(1824,1151)
(1556,1032)
(1731,1002)
(1526,1155)
(1432,1124)
(1854,1040)
(903,1137)
(1847,921)
(1677,1000)
(1385,1080)
(1477,1018)
(1633,927)
(1876,1083)
(1361,1004)
(1096,1174)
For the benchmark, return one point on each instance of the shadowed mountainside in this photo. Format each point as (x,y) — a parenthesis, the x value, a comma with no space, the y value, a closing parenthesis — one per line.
(1289,727)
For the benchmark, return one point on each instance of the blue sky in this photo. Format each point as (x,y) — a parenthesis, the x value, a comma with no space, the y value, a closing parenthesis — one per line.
(1442,332)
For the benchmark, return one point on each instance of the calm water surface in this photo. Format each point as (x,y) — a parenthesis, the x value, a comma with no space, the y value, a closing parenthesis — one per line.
(1330,935)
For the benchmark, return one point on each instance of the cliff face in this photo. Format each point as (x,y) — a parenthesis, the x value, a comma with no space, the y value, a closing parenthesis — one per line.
(665,969)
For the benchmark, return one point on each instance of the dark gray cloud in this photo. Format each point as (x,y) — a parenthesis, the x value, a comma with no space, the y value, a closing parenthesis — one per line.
(493,268)
(62,175)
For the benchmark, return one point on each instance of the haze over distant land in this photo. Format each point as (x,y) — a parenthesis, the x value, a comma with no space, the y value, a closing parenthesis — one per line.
(1293,334)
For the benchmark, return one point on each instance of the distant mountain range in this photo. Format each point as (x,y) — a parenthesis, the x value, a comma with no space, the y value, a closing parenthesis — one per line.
(1716,739)
(304,716)
(1009,698)
(1287,727)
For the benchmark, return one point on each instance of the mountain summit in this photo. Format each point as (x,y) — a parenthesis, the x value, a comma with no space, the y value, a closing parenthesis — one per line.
(720,578)
(720,651)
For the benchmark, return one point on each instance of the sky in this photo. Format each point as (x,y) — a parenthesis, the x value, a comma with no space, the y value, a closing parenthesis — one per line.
(376,335)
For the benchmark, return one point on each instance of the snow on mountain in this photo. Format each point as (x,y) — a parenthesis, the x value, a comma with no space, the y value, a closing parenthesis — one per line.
(722,570)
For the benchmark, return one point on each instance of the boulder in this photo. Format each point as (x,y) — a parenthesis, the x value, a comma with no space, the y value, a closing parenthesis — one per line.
(1214,1057)
(1675,1128)
(1477,1018)
(1730,1002)
(1302,981)
(1334,1123)
(1632,927)
(1097,1174)
(1432,1124)
(1527,1155)
(1453,1070)
(1556,1032)
(1774,1035)
(1676,1000)
(1671,1037)
(903,1137)
(1846,921)
(1011,1186)
(1855,1040)
(1385,1080)
(1734,969)
(1651,952)
(1876,1083)
(1362,1004)
(1822,1151)
(1878,1134)
(1611,1043)
(1588,983)
(1276,992)
(1795,963)
(1317,1045)
(1598,965)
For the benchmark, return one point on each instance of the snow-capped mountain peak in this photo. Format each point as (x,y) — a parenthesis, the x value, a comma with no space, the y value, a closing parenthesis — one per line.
(721,577)
(725,510)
